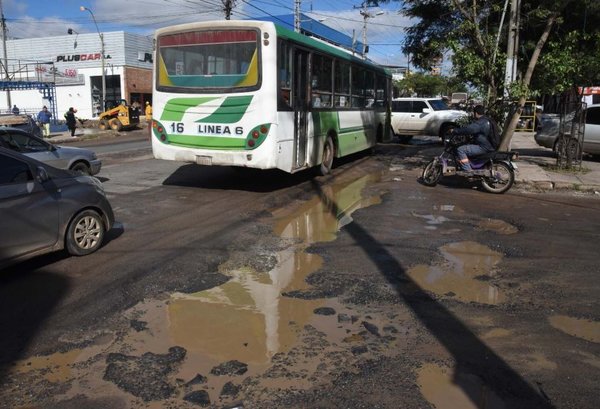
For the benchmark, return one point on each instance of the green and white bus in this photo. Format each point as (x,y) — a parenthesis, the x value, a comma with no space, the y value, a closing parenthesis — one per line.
(254,94)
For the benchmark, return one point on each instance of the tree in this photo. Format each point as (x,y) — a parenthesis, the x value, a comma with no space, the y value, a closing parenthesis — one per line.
(427,85)
(468,29)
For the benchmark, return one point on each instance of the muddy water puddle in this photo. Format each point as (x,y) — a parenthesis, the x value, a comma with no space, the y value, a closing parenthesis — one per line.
(246,319)
(577,327)
(441,214)
(463,274)
(446,389)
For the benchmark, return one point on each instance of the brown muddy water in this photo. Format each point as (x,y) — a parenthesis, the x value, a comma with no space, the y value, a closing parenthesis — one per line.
(446,389)
(246,319)
(463,273)
(577,327)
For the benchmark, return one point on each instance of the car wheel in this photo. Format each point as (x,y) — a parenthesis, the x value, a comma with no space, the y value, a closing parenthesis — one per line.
(85,233)
(81,167)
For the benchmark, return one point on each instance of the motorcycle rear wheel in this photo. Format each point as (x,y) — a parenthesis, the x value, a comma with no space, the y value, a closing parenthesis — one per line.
(502,179)
(432,173)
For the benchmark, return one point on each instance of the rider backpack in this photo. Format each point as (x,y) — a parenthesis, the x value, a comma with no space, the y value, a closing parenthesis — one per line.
(494,134)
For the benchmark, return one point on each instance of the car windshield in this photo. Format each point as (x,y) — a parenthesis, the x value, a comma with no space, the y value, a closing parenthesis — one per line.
(438,105)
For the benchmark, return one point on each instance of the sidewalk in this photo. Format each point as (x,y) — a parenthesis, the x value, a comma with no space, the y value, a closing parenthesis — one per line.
(537,168)
(92,135)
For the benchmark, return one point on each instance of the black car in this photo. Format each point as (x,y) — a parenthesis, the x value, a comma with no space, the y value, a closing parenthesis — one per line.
(44,209)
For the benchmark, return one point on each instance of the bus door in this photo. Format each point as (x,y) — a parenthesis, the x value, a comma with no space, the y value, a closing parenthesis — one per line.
(301,79)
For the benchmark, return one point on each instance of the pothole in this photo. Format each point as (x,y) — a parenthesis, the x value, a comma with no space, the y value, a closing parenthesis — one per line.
(463,275)
(577,327)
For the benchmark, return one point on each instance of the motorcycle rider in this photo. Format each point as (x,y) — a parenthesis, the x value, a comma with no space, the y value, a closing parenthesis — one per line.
(480,129)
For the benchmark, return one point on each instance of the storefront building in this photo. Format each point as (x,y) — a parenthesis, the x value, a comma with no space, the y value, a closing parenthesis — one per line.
(73,63)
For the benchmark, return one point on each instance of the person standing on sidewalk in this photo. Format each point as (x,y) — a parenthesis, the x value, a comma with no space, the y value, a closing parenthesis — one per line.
(148,113)
(15,109)
(43,118)
(71,120)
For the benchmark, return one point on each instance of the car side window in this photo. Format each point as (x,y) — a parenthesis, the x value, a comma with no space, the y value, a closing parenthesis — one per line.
(400,106)
(13,171)
(593,116)
(418,106)
(23,140)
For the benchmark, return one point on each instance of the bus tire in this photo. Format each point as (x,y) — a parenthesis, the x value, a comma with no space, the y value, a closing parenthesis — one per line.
(328,155)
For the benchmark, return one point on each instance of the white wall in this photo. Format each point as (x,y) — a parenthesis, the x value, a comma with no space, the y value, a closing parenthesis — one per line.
(120,49)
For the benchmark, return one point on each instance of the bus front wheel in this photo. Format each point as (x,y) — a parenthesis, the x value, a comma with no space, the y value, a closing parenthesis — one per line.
(328,155)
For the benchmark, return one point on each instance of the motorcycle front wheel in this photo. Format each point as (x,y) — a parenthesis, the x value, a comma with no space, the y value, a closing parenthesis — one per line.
(501,180)
(432,173)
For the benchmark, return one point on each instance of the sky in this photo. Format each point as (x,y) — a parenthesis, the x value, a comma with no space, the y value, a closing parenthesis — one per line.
(39,18)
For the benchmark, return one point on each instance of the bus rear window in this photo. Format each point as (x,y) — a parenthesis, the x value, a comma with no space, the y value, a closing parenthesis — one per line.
(216,59)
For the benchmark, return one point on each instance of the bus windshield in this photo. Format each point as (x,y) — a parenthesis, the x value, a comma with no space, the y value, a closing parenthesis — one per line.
(215,59)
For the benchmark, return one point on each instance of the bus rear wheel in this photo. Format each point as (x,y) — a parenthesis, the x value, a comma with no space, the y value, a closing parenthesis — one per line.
(328,155)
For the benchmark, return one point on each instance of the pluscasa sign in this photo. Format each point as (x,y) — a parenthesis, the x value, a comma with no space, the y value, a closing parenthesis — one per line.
(80,57)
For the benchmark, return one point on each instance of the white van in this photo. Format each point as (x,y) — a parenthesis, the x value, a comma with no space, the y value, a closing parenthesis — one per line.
(423,116)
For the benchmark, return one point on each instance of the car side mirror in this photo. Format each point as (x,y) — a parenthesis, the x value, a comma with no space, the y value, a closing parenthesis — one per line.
(41,175)
(427,110)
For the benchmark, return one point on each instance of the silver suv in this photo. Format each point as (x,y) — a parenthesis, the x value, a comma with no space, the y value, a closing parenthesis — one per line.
(423,116)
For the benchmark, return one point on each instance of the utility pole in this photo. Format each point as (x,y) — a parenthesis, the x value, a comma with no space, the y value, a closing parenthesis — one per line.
(512,45)
(227,7)
(366,15)
(297,15)
(6,76)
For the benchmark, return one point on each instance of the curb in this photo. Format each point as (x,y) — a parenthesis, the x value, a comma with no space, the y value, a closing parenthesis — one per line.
(556,186)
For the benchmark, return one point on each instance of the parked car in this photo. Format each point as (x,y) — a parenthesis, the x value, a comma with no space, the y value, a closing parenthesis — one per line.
(62,157)
(44,209)
(548,129)
(22,121)
(423,116)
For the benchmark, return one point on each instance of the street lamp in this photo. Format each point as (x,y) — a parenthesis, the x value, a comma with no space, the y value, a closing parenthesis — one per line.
(83,8)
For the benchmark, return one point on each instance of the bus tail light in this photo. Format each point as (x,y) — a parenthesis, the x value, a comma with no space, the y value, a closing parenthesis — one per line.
(159,131)
(257,136)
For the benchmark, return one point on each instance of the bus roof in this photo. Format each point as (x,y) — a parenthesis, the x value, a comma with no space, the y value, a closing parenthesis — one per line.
(325,47)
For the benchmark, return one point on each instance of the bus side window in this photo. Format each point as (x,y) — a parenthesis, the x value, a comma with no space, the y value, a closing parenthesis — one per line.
(342,84)
(284,65)
(321,81)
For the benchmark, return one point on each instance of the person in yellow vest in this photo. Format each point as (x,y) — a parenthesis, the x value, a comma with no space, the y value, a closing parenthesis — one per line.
(148,113)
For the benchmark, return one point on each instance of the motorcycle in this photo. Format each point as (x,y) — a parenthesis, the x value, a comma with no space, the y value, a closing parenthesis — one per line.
(495,170)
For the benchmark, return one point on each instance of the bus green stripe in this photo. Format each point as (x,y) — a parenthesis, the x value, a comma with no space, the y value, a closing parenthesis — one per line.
(176,107)
(230,111)
(213,142)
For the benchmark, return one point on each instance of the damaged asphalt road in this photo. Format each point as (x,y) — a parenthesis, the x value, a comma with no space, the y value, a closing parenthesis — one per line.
(363,289)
